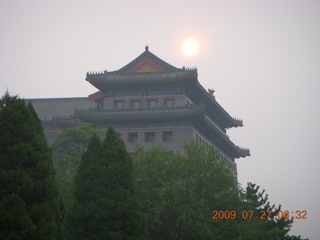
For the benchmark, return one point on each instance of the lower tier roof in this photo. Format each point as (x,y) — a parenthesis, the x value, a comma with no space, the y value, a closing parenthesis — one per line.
(139,114)
(195,114)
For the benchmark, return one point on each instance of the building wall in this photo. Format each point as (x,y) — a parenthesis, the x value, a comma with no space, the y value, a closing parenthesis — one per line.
(182,132)
(179,100)
(202,140)
(179,136)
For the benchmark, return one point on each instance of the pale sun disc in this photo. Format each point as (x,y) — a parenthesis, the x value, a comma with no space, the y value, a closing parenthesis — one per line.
(190,47)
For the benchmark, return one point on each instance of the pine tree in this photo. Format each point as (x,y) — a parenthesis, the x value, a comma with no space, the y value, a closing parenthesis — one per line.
(29,200)
(68,147)
(267,225)
(105,205)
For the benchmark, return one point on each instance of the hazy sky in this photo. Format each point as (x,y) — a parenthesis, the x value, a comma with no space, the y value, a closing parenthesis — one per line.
(261,57)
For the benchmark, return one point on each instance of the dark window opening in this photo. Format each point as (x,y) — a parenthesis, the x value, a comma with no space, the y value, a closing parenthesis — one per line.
(167,136)
(150,137)
(152,103)
(119,104)
(132,137)
(135,104)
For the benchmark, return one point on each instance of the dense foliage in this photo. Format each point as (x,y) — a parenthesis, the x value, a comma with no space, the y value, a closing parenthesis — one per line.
(70,143)
(68,147)
(29,200)
(181,192)
(157,195)
(105,203)
(265,222)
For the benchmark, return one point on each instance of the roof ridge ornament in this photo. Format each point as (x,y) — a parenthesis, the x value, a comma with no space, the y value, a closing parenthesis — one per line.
(211,91)
(147,47)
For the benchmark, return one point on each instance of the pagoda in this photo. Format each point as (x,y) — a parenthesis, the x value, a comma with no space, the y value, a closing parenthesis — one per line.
(149,101)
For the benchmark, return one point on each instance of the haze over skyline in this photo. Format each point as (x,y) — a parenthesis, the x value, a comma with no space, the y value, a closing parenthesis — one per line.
(262,58)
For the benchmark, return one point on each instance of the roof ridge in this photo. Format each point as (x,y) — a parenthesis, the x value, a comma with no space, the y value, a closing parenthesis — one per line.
(149,54)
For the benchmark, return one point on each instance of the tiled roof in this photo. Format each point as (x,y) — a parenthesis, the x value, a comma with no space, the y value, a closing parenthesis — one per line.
(139,114)
(104,78)
(236,151)
(129,76)
(46,108)
(67,121)
(226,121)
(96,96)
(150,55)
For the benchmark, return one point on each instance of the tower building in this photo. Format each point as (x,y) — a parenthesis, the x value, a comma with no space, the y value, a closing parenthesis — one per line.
(149,101)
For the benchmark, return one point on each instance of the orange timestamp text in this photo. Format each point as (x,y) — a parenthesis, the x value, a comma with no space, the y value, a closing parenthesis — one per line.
(299,214)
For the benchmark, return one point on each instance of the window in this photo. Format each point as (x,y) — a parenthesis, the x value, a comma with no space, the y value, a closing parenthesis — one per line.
(150,137)
(135,104)
(166,136)
(132,137)
(119,104)
(152,103)
(168,102)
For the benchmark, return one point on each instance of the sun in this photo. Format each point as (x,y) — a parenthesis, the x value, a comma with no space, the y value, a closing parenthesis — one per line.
(190,47)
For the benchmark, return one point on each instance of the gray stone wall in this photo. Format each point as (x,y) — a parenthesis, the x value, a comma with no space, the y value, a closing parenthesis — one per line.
(199,137)
(179,101)
(180,136)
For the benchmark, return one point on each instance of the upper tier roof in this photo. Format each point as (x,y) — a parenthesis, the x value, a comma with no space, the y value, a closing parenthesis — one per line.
(103,80)
(147,59)
(146,68)
(149,70)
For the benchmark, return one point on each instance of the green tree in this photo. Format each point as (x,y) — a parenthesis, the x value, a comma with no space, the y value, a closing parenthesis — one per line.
(29,200)
(68,147)
(179,193)
(70,143)
(295,238)
(265,224)
(105,203)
